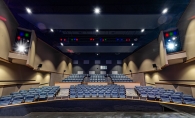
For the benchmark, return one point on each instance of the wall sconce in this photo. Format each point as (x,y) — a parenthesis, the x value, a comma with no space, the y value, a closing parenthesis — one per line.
(40,65)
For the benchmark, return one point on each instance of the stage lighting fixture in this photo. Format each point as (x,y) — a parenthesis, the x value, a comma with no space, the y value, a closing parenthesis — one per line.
(142,30)
(174,38)
(97,10)
(165,11)
(132,44)
(97,30)
(21,47)
(97,44)
(28,10)
(51,30)
(97,54)
(170,46)
(61,44)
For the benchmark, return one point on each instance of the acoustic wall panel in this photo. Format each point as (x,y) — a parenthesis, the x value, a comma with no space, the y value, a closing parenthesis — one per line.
(108,61)
(97,62)
(86,62)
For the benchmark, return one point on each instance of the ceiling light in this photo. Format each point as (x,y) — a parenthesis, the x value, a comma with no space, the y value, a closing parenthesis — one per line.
(61,44)
(132,44)
(28,10)
(97,54)
(175,44)
(51,30)
(97,44)
(142,30)
(97,30)
(165,11)
(97,10)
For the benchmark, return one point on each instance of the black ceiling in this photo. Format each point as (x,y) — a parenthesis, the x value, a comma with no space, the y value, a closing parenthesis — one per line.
(146,13)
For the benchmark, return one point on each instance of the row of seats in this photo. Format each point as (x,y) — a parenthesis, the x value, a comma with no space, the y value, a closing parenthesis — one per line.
(30,95)
(94,91)
(164,95)
(74,78)
(97,78)
(120,78)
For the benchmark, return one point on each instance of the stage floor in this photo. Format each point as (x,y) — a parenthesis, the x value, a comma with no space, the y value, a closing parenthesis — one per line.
(107,115)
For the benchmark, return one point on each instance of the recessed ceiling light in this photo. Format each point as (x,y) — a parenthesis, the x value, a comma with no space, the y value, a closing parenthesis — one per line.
(51,30)
(132,44)
(97,44)
(97,54)
(28,10)
(142,30)
(61,44)
(165,11)
(97,30)
(97,10)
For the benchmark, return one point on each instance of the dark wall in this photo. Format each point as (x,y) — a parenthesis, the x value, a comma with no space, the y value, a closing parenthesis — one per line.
(93,67)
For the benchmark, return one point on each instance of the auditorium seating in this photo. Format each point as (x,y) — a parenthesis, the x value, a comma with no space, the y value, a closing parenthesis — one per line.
(153,93)
(97,78)
(29,95)
(120,78)
(74,78)
(97,91)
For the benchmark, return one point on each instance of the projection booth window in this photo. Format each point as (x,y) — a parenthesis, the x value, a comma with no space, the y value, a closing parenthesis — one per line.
(103,67)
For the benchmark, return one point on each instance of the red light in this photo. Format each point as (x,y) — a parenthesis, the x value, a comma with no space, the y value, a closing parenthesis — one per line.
(2,18)
(61,39)
(167,34)
(64,39)
(18,37)
(91,39)
(103,40)
(77,39)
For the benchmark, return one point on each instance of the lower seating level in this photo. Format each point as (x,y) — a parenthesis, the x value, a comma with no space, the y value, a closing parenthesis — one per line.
(30,95)
(95,91)
(163,95)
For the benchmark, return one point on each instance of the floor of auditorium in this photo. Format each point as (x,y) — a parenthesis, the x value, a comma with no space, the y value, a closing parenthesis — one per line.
(107,115)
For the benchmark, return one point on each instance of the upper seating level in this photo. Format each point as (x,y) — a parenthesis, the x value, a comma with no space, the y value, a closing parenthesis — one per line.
(97,78)
(95,91)
(163,95)
(120,78)
(75,78)
(30,95)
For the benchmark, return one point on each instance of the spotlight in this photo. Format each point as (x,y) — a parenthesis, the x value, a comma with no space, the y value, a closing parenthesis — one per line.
(97,30)
(97,54)
(171,46)
(61,44)
(97,44)
(21,47)
(175,44)
(97,10)
(174,38)
(142,30)
(28,10)
(132,44)
(51,30)
(165,11)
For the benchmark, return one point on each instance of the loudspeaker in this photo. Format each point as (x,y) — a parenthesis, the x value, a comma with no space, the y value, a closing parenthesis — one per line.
(154,65)
(40,65)
(64,70)
(130,71)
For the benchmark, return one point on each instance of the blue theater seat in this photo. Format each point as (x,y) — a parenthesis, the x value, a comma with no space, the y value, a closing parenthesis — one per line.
(73,95)
(5,101)
(94,94)
(29,98)
(107,94)
(18,99)
(151,95)
(87,94)
(165,98)
(176,99)
(101,94)
(143,94)
(51,94)
(80,95)
(43,95)
(122,95)
(114,94)
(189,100)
